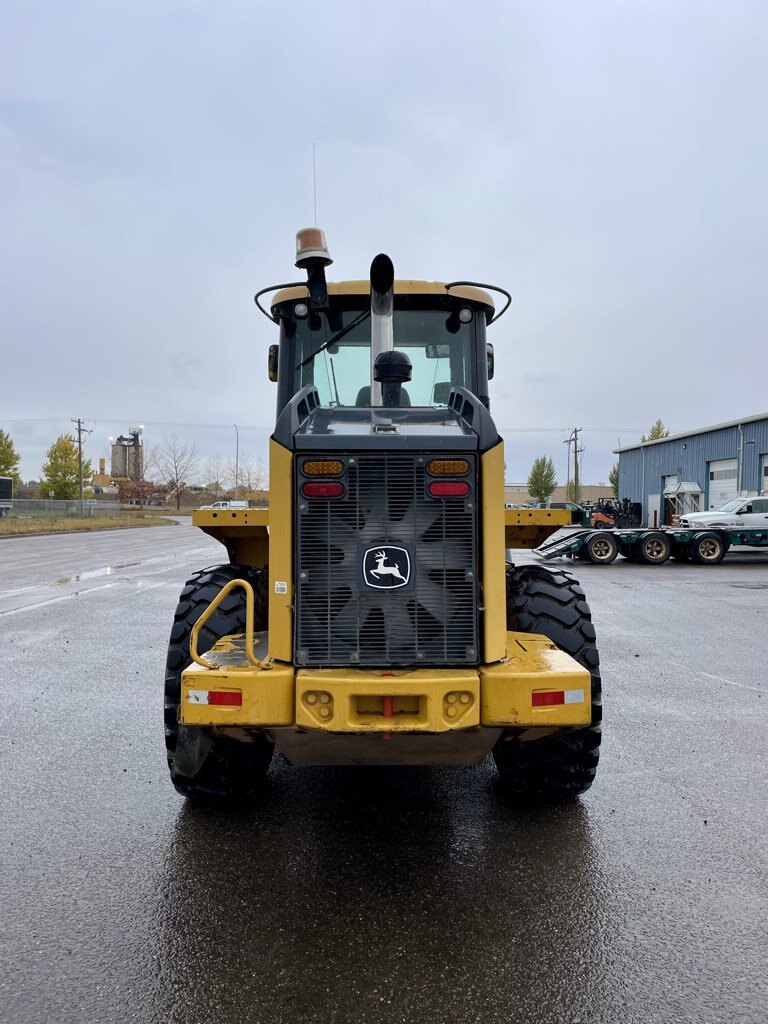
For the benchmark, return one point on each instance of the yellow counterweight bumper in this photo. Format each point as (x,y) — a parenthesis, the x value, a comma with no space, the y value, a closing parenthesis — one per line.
(535,685)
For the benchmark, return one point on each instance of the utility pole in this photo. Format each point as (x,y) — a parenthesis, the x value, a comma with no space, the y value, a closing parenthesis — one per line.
(572,438)
(576,452)
(237,459)
(568,441)
(80,431)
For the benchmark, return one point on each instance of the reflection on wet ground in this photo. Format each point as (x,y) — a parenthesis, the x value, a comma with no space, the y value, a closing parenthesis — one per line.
(350,892)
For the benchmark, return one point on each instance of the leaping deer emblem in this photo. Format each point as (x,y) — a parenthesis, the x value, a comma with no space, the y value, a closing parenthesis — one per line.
(386,570)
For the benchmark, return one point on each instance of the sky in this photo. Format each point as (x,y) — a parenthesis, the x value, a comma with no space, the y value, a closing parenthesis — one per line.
(606,162)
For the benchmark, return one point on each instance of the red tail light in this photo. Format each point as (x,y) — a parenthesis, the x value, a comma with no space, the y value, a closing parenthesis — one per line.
(448,489)
(328,489)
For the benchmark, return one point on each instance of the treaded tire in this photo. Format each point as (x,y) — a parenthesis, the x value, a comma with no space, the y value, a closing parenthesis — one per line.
(552,603)
(231,770)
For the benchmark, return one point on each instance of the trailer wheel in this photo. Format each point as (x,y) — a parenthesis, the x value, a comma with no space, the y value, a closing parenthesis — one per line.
(601,548)
(707,548)
(205,767)
(550,602)
(653,548)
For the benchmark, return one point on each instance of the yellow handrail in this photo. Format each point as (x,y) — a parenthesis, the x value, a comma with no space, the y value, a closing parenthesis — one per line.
(249,608)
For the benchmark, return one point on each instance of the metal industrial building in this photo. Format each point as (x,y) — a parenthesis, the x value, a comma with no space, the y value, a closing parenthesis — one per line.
(696,471)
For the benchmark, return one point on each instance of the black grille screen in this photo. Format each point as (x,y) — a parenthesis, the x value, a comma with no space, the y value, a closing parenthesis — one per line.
(353,553)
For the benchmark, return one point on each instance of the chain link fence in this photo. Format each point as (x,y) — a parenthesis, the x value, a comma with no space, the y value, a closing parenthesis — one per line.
(27,508)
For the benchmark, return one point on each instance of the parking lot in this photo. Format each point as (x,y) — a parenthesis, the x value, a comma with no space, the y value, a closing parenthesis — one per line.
(378,894)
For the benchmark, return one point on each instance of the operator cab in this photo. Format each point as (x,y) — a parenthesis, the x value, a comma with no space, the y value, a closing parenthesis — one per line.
(442,335)
(332,334)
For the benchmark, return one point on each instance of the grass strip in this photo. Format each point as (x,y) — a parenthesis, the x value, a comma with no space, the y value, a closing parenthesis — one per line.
(72,524)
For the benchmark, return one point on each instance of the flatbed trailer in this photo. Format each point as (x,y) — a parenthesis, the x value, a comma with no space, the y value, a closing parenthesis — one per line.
(705,546)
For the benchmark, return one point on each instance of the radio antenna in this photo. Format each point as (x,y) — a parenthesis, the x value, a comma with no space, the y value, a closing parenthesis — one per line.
(314,179)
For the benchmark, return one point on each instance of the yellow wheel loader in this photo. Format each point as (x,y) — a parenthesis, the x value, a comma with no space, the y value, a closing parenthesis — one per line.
(368,616)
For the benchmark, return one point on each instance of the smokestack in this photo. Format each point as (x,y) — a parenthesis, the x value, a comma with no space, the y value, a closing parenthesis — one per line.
(382,304)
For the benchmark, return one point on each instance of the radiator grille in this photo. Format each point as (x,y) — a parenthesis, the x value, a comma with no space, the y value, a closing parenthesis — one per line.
(340,619)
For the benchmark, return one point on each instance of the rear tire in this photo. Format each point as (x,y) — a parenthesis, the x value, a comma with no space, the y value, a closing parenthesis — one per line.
(707,548)
(563,765)
(230,770)
(653,548)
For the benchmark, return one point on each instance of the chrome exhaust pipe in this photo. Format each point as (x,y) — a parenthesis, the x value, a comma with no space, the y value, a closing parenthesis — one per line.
(382,305)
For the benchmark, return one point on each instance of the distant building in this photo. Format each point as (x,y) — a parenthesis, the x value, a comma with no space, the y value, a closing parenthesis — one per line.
(517,494)
(696,471)
(128,456)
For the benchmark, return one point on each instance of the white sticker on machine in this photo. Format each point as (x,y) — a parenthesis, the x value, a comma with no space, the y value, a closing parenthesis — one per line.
(281,587)
(574,697)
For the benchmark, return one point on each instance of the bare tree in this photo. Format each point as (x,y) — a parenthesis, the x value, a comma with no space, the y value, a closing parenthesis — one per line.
(251,477)
(213,474)
(175,462)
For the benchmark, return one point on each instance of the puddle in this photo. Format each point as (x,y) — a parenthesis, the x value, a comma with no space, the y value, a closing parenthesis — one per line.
(93,574)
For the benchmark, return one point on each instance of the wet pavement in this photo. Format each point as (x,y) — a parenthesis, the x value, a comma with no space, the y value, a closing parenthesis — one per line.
(378,894)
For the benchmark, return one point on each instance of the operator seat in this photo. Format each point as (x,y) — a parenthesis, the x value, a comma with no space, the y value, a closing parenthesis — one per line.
(363,400)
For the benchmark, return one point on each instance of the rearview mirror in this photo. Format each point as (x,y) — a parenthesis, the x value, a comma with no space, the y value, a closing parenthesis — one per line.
(489,358)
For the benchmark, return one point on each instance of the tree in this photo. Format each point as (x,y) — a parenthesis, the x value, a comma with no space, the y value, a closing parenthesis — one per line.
(542,479)
(212,475)
(61,473)
(9,458)
(251,477)
(613,479)
(573,491)
(657,431)
(175,463)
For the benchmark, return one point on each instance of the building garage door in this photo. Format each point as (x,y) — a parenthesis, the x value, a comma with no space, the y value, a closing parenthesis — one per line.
(723,485)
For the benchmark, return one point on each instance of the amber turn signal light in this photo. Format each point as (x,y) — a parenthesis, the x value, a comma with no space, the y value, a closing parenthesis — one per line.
(326,467)
(448,467)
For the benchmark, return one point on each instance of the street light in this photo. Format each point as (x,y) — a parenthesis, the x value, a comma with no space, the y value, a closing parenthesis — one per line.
(237,459)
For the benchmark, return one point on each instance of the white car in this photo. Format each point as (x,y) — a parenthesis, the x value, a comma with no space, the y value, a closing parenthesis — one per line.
(741,513)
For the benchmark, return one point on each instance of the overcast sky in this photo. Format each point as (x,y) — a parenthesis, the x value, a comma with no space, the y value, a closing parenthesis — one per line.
(606,162)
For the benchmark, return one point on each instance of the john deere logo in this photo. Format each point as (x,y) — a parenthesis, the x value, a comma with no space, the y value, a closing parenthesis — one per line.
(386,567)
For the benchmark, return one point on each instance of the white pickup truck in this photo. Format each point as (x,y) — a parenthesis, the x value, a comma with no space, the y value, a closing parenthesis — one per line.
(746,513)
(227,504)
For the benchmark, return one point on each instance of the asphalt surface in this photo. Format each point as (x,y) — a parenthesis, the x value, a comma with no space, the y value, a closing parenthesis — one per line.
(378,894)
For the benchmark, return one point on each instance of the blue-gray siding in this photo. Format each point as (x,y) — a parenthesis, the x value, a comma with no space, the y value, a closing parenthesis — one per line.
(641,470)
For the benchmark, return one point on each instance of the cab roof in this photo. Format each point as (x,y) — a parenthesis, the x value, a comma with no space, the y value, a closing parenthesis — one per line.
(401,287)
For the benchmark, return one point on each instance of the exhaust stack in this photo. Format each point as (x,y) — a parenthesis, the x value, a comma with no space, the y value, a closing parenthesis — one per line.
(382,304)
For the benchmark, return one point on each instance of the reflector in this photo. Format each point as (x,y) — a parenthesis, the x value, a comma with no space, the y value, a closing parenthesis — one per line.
(226,698)
(543,700)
